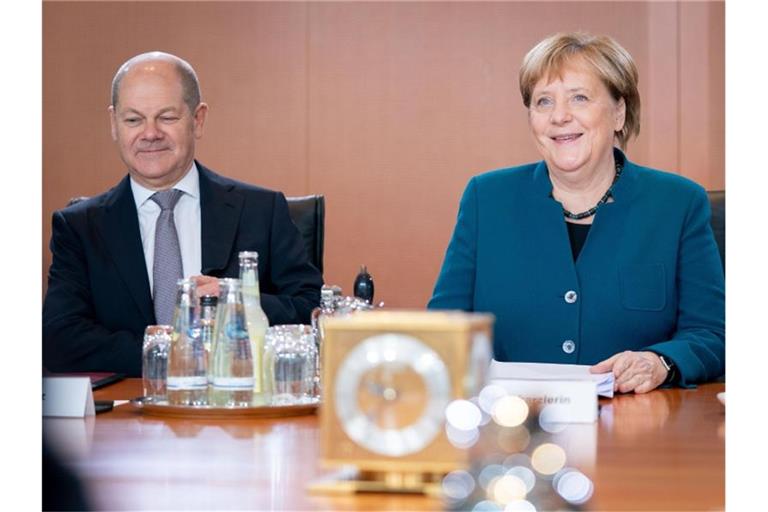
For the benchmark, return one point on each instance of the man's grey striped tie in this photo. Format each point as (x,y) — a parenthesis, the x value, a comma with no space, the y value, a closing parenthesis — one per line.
(166,270)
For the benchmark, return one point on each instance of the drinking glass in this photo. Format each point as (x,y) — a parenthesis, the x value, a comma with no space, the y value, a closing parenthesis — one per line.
(154,367)
(290,360)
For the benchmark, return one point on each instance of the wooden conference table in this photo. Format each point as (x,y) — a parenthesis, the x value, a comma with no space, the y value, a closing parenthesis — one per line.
(664,450)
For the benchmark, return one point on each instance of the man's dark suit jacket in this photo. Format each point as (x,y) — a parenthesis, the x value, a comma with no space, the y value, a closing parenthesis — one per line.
(98,301)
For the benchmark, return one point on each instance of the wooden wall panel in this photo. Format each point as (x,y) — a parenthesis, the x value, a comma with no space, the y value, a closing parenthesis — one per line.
(387,108)
(251,61)
(702,93)
(659,88)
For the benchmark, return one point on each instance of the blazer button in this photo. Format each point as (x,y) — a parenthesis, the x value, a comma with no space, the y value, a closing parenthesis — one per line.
(571,296)
(569,346)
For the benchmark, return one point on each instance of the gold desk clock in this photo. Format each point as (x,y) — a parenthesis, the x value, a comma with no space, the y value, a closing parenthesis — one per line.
(387,378)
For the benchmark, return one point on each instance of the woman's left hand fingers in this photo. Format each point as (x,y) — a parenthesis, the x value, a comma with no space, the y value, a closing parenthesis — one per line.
(635,381)
(646,386)
(636,370)
(622,368)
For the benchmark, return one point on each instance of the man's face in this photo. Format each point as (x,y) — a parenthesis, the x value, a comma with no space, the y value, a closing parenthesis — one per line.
(154,129)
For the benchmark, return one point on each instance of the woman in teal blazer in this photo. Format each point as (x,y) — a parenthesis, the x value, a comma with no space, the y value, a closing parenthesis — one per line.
(633,284)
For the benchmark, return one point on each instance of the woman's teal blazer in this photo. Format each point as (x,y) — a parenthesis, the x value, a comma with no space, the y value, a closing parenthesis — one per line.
(649,276)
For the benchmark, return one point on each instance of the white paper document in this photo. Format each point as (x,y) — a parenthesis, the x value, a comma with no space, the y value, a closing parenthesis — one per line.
(552,372)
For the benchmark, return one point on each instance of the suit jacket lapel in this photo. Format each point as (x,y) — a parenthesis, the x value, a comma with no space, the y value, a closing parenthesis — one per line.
(118,226)
(220,208)
(609,225)
(549,232)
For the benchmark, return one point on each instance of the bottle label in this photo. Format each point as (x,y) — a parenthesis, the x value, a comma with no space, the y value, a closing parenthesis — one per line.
(233,382)
(194,382)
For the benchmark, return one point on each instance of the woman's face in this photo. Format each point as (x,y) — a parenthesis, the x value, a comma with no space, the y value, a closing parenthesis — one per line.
(573,120)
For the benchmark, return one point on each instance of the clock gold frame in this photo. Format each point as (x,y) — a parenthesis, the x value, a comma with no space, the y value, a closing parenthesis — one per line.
(462,343)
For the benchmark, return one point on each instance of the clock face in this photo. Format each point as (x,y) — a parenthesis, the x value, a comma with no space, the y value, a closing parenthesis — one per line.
(391,393)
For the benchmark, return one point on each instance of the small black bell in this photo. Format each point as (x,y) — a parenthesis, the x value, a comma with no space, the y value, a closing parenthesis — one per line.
(363,287)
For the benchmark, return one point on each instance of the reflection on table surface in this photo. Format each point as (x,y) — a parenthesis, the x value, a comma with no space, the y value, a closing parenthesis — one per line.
(664,450)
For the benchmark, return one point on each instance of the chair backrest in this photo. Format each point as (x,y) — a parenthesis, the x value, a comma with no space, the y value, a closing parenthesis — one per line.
(307,212)
(717,204)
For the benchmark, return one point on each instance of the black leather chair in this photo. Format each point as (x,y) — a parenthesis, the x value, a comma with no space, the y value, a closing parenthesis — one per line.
(307,212)
(717,203)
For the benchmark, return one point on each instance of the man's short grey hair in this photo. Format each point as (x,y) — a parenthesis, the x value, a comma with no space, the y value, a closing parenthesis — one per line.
(189,83)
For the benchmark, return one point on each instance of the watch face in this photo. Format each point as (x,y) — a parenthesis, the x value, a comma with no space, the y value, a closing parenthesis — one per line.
(391,393)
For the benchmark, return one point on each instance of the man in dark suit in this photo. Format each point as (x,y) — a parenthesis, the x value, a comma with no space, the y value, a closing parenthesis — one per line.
(106,272)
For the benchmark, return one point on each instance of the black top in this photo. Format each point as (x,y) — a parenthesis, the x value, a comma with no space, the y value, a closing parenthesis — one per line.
(577,233)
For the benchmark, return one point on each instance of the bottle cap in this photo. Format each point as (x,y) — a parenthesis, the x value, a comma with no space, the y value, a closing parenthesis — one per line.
(209,300)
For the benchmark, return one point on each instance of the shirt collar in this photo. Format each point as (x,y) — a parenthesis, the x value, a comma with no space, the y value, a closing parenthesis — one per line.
(189,184)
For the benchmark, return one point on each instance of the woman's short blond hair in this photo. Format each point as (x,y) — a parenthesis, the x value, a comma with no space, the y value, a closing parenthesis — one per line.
(608,59)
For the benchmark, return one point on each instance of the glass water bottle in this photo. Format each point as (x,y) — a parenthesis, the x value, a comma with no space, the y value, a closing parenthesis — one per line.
(326,309)
(187,358)
(208,326)
(255,317)
(231,374)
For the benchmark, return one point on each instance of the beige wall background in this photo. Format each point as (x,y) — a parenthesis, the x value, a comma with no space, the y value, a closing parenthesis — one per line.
(387,108)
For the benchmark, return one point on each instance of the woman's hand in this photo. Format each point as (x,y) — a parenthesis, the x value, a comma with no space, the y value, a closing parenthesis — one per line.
(640,372)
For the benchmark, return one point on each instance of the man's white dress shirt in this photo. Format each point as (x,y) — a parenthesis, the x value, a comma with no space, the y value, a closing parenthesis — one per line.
(186,216)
